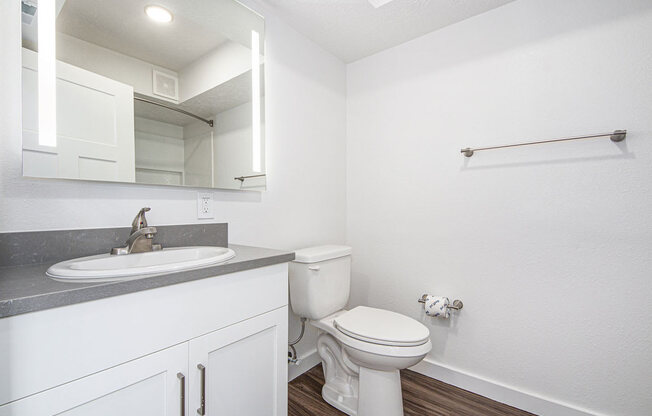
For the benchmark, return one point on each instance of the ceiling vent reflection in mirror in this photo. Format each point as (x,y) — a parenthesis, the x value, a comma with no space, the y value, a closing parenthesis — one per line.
(165,85)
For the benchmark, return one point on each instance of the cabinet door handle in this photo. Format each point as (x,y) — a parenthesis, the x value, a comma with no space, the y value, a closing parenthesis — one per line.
(202,388)
(182,381)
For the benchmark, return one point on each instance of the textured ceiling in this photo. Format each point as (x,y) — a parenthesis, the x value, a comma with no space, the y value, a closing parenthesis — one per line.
(353,29)
(199,26)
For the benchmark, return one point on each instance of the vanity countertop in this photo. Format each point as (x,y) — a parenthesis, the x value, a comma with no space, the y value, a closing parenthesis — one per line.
(26,288)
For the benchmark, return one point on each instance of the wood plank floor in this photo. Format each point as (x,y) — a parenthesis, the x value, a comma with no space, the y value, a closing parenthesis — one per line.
(421,396)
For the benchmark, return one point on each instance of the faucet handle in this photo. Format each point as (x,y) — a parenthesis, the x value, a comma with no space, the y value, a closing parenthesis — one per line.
(140,221)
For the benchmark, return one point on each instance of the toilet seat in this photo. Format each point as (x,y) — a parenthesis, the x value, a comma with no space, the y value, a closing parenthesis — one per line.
(383,327)
(327,325)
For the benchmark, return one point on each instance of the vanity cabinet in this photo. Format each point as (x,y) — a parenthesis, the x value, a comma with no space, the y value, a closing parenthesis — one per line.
(220,341)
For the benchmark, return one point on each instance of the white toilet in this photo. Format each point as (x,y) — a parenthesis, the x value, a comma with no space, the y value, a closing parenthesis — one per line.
(363,349)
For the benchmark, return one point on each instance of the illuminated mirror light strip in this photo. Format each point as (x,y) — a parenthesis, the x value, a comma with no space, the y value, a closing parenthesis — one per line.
(47,73)
(255,102)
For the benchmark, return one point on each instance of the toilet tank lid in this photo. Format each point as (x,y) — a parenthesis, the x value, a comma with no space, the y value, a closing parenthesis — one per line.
(321,253)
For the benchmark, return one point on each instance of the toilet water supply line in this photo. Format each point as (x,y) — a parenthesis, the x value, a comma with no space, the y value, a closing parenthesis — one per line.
(292,352)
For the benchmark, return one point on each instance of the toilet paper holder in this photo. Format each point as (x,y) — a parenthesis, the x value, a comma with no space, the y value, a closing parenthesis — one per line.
(457,304)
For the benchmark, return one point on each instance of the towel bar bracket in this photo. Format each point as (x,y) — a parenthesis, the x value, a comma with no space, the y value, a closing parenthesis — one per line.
(618,136)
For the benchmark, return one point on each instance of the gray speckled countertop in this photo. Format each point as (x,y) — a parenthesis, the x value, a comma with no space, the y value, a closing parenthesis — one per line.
(26,288)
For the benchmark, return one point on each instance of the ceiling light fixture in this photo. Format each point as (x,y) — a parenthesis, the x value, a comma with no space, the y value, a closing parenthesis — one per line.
(158,14)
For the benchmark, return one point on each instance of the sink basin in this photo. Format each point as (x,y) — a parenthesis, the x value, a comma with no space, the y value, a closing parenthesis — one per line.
(105,267)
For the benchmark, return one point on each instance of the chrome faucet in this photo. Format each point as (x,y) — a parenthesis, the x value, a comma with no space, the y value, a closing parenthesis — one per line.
(140,238)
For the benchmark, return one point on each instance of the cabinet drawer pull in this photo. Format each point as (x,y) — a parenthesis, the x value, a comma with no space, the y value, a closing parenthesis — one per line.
(202,388)
(182,381)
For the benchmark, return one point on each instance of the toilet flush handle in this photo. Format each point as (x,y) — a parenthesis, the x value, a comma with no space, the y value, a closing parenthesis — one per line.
(314,268)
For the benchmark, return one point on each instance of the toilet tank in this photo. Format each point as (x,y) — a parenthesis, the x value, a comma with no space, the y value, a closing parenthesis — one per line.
(320,280)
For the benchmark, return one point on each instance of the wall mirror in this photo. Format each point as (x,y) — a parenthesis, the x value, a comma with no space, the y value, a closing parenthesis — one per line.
(163,92)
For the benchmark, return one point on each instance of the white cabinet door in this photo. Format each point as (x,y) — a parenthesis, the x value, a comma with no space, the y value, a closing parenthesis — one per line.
(148,386)
(244,368)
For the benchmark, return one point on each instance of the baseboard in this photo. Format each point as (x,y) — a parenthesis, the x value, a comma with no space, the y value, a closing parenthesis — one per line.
(306,361)
(499,392)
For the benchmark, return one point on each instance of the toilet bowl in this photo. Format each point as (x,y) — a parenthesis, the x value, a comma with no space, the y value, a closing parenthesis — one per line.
(362,349)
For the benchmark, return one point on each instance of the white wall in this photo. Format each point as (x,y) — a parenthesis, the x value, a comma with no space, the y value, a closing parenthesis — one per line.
(159,152)
(233,148)
(198,154)
(305,199)
(548,246)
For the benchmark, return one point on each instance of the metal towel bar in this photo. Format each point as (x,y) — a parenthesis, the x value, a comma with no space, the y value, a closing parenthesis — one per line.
(616,136)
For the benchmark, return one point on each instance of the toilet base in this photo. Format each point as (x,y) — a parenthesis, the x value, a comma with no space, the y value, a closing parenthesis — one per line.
(341,387)
(348,405)
(354,390)
(380,393)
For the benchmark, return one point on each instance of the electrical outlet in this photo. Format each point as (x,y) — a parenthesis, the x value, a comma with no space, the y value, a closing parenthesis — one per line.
(204,205)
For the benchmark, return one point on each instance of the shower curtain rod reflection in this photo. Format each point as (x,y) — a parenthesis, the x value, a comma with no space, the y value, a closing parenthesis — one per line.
(169,107)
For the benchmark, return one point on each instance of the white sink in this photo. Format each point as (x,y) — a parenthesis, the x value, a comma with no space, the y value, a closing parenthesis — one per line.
(106,267)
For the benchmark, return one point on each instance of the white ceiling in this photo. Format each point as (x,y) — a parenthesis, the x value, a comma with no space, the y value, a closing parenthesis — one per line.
(199,26)
(353,29)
